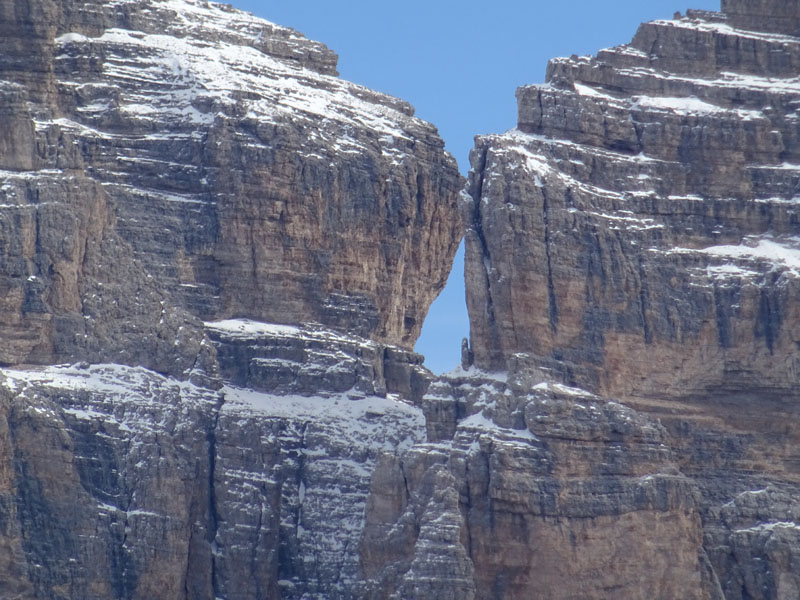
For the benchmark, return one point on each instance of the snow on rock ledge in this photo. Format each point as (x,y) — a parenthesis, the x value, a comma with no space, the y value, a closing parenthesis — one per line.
(637,234)
(187,492)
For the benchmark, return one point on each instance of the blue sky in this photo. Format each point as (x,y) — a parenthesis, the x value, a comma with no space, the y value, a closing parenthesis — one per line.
(459,64)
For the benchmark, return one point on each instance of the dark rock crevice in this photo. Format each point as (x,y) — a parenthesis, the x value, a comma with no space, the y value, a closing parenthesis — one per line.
(552,303)
(213,513)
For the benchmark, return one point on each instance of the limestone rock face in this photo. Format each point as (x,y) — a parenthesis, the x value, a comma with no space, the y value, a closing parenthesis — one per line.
(234,251)
(559,493)
(637,234)
(230,163)
(71,289)
(168,162)
(117,482)
(763,15)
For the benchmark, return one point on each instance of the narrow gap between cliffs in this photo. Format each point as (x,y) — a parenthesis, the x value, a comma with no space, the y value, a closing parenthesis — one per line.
(447,322)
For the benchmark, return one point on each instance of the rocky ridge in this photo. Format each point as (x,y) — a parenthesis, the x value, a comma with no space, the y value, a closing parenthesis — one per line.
(661,182)
(251,245)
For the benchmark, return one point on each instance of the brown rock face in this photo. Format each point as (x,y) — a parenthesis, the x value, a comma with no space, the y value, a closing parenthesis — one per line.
(637,236)
(560,494)
(629,427)
(71,288)
(225,168)
(163,162)
(252,182)
(763,15)
(637,233)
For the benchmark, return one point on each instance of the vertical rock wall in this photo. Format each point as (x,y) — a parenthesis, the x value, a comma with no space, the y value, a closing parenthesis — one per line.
(629,427)
(637,236)
(637,233)
(236,169)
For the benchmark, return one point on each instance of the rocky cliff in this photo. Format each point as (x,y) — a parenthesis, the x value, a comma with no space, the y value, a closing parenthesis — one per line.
(225,156)
(654,220)
(118,482)
(215,254)
(636,236)
(165,166)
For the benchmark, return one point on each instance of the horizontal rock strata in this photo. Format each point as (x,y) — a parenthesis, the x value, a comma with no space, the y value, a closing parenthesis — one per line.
(542,489)
(228,160)
(166,163)
(191,192)
(646,200)
(637,236)
(117,482)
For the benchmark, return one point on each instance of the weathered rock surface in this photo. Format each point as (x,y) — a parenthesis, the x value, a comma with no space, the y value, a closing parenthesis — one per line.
(543,491)
(165,163)
(764,15)
(646,200)
(189,191)
(118,482)
(224,156)
(636,236)
(70,288)
(282,359)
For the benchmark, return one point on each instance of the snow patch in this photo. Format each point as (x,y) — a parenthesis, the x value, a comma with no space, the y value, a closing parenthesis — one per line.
(784,253)
(691,106)
(769,527)
(474,372)
(368,417)
(585,90)
(248,328)
(562,389)
(481,422)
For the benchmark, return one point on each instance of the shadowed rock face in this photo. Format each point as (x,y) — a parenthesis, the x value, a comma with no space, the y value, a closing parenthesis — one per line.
(116,482)
(230,163)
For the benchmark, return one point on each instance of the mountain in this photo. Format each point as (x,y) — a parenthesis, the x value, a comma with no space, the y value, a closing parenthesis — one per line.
(216,256)
(174,176)
(636,237)
(220,154)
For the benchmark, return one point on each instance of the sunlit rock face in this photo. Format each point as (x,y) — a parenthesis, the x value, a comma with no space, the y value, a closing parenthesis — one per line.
(636,236)
(540,489)
(637,233)
(165,166)
(233,250)
(230,162)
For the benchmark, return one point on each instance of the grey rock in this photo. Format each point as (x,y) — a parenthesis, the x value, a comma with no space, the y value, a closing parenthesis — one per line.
(638,215)
(72,288)
(217,154)
(580,486)
(763,15)
(624,423)
(117,482)
(312,360)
